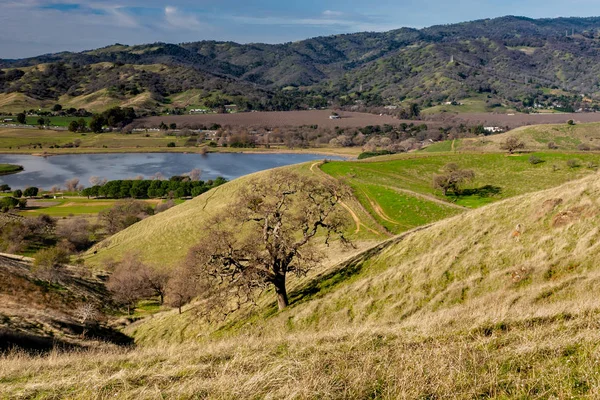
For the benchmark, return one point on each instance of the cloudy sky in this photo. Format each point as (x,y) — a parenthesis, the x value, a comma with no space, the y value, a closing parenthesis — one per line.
(34,27)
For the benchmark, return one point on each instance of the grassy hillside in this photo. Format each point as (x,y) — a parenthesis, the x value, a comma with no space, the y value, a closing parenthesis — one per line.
(565,137)
(165,239)
(398,191)
(50,318)
(534,63)
(579,137)
(461,309)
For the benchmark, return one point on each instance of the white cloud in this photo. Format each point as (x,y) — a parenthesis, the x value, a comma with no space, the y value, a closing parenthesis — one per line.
(177,19)
(330,13)
(325,21)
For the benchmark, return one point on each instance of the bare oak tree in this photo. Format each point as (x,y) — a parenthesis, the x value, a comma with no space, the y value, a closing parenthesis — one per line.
(452,178)
(269,232)
(127,284)
(181,287)
(72,184)
(512,143)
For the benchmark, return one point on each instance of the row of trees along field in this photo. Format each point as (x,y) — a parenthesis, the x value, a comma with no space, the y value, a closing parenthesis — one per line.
(177,186)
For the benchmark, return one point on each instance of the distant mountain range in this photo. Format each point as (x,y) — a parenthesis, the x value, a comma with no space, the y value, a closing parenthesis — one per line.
(508,62)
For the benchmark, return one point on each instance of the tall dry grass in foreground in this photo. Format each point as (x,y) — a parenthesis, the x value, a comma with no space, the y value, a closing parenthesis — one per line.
(548,359)
(463,309)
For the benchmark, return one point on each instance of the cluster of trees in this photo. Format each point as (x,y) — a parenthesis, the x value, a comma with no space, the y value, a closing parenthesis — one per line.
(115,117)
(124,214)
(8,203)
(19,234)
(176,187)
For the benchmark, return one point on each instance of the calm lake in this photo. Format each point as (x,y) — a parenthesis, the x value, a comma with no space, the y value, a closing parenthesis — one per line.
(55,170)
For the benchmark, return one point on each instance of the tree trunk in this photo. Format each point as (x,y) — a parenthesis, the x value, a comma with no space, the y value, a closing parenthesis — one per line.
(282,298)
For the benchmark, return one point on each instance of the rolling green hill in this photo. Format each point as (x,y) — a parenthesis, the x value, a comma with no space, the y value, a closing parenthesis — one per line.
(463,308)
(165,239)
(492,64)
(398,190)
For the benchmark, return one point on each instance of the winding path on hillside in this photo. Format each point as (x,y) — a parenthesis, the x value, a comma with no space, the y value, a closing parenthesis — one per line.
(426,197)
(357,220)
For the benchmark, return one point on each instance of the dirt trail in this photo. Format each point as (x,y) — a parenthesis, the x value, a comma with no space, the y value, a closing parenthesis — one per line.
(377,208)
(355,217)
(452,147)
(426,197)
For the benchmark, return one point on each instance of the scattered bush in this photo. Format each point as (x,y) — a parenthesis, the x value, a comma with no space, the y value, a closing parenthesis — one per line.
(552,146)
(535,160)
(164,206)
(368,154)
(583,147)
(573,163)
(48,263)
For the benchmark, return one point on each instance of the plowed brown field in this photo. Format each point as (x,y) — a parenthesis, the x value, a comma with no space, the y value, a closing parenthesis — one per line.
(276,119)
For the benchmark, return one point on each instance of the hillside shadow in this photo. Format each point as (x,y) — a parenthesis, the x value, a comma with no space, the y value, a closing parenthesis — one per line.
(483,191)
(325,283)
(32,344)
(35,344)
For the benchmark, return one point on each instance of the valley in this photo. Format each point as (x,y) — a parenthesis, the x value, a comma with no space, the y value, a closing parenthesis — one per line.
(411,214)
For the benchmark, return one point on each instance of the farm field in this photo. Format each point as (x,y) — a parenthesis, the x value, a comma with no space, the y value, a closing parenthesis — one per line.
(38,140)
(398,191)
(276,119)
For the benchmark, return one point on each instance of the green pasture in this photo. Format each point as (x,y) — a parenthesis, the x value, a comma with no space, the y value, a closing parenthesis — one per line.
(401,185)
(6,169)
(54,121)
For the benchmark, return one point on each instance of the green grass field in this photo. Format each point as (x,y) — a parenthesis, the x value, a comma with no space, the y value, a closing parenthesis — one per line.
(6,169)
(398,190)
(54,121)
(71,206)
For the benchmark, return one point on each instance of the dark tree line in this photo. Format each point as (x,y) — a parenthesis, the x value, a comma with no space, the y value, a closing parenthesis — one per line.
(177,186)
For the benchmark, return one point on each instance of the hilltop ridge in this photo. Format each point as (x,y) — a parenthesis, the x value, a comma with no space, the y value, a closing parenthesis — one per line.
(497,63)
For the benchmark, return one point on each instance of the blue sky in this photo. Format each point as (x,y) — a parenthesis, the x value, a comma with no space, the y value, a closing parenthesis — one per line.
(34,27)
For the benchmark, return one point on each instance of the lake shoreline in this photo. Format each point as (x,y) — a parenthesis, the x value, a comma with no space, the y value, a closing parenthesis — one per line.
(56,170)
(199,150)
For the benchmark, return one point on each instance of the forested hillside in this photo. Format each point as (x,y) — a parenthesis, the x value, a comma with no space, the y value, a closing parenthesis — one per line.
(512,62)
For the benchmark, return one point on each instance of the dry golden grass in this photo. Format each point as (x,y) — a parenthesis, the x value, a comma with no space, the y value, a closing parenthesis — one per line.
(464,308)
(537,137)
(557,360)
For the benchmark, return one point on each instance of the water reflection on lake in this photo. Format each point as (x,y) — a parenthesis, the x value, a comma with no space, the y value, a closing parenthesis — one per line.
(45,172)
